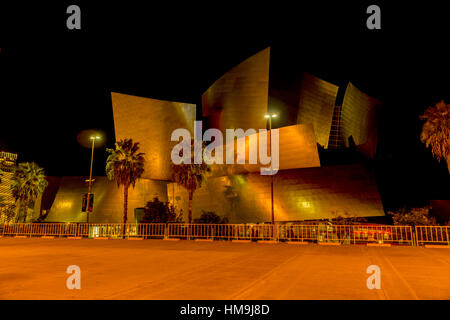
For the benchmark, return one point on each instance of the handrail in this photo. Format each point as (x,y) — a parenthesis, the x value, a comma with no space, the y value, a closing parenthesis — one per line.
(344,234)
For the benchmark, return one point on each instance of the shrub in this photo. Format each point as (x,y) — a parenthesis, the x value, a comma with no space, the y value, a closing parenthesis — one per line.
(346,219)
(211,218)
(160,212)
(413,217)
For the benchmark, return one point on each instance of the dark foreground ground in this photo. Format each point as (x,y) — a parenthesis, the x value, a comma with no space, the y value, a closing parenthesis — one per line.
(157,269)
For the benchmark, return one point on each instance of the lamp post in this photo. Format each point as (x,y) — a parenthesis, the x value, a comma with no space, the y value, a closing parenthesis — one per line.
(88,200)
(270,116)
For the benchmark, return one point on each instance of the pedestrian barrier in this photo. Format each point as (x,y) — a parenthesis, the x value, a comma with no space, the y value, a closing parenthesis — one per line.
(302,233)
(39,229)
(348,234)
(220,231)
(437,235)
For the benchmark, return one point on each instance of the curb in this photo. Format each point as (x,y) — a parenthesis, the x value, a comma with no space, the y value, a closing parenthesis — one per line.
(441,246)
(172,239)
(204,240)
(101,238)
(74,237)
(135,238)
(267,241)
(47,237)
(241,241)
(378,244)
(297,242)
(329,243)
(21,237)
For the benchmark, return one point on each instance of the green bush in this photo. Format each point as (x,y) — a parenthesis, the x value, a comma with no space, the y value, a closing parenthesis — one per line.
(346,219)
(413,217)
(211,218)
(160,212)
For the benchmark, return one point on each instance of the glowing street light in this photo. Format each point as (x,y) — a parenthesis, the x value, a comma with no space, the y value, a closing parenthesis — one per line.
(88,200)
(270,116)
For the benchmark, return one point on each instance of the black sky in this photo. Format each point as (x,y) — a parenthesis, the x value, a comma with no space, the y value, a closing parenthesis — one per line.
(55,82)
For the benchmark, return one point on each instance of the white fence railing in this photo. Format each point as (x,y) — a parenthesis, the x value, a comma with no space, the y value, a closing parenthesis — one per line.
(432,235)
(345,234)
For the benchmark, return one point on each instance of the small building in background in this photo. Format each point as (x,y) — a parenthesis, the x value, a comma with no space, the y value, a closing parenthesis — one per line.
(7,165)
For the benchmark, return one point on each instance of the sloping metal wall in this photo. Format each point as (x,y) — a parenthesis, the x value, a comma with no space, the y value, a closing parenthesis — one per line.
(108,199)
(360,120)
(239,98)
(151,123)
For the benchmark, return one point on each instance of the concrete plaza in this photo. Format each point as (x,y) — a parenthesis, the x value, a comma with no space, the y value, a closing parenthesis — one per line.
(35,268)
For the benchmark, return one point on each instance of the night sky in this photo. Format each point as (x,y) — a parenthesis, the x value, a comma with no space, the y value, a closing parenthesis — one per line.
(56,82)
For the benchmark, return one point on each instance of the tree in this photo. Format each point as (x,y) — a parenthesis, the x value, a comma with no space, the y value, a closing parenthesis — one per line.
(413,217)
(27,183)
(436,131)
(190,176)
(160,212)
(125,165)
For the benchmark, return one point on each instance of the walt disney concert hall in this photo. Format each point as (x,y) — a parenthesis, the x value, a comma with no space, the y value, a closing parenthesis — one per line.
(326,135)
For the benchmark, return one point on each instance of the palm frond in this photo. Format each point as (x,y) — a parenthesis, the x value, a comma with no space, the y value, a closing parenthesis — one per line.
(436,130)
(125,164)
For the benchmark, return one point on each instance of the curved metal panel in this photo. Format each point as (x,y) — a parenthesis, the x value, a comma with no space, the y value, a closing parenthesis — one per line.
(316,106)
(239,98)
(151,123)
(297,149)
(360,119)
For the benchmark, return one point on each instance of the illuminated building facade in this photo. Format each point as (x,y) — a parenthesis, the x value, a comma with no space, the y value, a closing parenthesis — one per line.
(310,120)
(7,165)
(108,200)
(360,119)
(149,122)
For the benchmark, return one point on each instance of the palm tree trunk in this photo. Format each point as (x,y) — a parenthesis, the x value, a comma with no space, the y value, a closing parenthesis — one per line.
(190,206)
(125,207)
(25,212)
(18,212)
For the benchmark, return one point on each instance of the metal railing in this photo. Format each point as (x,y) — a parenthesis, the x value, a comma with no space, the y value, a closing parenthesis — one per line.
(319,233)
(39,229)
(92,230)
(221,231)
(432,235)
(348,234)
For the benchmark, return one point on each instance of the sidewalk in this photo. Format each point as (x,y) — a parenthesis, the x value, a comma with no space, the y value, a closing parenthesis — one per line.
(157,269)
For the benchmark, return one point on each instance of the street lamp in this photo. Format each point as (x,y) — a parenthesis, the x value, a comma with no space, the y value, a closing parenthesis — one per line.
(88,200)
(270,116)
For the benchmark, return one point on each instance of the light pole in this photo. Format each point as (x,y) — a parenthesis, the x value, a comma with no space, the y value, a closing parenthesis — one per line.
(270,116)
(88,200)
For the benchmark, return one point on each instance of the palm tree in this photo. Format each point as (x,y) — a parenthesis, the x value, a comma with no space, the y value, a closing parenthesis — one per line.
(190,176)
(27,183)
(436,131)
(125,165)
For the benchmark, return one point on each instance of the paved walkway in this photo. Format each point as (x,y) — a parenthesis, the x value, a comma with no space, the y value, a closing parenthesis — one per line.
(157,269)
